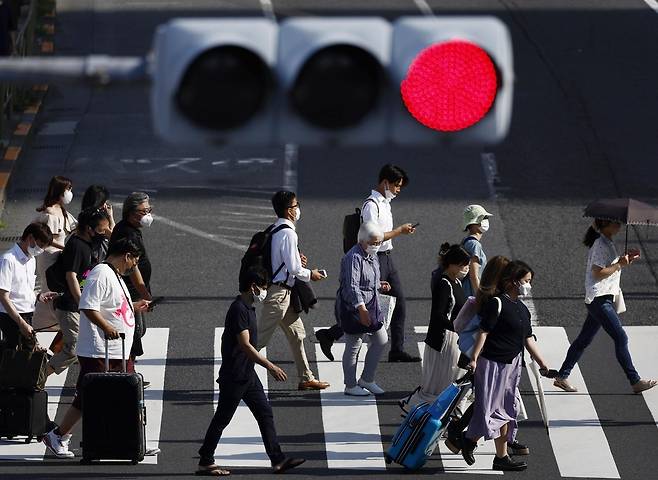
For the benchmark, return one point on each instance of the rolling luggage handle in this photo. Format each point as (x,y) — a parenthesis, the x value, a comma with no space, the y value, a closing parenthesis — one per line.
(123,353)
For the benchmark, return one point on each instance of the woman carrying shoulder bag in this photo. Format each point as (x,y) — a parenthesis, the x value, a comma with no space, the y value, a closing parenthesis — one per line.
(603,299)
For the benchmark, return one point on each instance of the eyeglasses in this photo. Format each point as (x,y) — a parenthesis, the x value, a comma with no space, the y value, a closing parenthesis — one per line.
(146,211)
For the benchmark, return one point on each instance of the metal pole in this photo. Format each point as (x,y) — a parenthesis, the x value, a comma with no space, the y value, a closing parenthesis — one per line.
(101,69)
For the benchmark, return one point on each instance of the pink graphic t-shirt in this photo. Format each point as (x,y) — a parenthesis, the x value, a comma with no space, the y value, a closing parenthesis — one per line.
(106,293)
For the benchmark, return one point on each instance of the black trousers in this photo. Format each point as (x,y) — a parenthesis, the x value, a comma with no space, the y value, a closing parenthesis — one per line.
(388,273)
(230,394)
(11,332)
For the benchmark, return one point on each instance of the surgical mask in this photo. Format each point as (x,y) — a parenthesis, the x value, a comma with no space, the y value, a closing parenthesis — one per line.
(484,225)
(67,197)
(146,220)
(298,214)
(262,293)
(525,289)
(372,249)
(462,274)
(389,195)
(35,250)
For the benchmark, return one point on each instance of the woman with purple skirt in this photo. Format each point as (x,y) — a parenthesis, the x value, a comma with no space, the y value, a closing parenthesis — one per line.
(505,330)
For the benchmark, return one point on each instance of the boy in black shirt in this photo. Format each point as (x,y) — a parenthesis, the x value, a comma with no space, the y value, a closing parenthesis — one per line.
(72,269)
(238,380)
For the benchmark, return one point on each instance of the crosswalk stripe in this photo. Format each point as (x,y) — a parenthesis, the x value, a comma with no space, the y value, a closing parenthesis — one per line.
(642,342)
(579,442)
(351,424)
(152,366)
(18,450)
(484,454)
(241,444)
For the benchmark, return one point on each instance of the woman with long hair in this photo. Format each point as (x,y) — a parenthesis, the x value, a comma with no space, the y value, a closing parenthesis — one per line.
(53,212)
(505,329)
(603,299)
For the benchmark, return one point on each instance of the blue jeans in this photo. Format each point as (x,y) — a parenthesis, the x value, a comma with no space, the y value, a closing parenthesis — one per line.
(601,313)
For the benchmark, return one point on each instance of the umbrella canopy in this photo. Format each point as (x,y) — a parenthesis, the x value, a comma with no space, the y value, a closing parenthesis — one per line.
(624,210)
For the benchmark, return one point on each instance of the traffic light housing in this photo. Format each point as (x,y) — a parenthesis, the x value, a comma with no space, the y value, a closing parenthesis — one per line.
(336,80)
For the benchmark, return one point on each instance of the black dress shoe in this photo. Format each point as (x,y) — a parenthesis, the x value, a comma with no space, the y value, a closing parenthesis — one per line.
(287,464)
(326,342)
(468,447)
(395,357)
(517,448)
(454,441)
(507,464)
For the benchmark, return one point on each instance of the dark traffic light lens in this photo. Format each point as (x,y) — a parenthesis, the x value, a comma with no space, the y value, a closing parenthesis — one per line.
(337,86)
(224,87)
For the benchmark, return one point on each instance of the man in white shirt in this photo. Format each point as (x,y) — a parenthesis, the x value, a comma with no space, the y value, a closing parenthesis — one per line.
(288,266)
(106,311)
(377,209)
(17,282)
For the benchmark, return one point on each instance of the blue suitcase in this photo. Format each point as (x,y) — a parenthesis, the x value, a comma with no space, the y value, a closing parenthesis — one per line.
(421,430)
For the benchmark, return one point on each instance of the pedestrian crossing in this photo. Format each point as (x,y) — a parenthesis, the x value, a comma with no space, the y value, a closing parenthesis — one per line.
(354,435)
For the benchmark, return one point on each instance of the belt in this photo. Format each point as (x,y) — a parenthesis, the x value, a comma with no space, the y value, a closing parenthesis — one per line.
(283,285)
(387,252)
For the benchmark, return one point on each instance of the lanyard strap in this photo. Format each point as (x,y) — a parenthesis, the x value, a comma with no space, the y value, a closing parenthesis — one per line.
(127,296)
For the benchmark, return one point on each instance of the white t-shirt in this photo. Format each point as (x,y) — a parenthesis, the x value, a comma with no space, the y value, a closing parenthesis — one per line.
(17,276)
(380,214)
(105,292)
(602,254)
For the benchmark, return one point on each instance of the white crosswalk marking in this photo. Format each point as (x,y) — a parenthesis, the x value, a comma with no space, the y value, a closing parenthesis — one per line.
(579,442)
(351,424)
(642,342)
(241,444)
(452,463)
(16,449)
(152,366)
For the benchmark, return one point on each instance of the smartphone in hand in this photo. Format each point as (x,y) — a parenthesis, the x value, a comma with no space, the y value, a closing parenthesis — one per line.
(323,273)
(154,302)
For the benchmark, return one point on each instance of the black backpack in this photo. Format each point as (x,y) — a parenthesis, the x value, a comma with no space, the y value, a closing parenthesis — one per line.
(259,253)
(351,225)
(55,276)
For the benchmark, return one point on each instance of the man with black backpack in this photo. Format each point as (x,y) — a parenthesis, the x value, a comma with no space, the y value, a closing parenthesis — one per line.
(377,209)
(276,249)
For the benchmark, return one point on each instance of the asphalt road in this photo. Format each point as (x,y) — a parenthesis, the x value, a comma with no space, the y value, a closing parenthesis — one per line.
(584,126)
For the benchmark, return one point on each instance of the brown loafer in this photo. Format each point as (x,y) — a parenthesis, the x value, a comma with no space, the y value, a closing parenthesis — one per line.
(312,385)
(287,464)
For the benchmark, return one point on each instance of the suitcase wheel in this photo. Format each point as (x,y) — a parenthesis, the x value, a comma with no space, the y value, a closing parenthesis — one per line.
(40,438)
(10,437)
(388,459)
(134,461)
(28,439)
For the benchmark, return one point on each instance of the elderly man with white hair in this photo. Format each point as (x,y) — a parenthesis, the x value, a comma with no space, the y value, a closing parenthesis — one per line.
(358,312)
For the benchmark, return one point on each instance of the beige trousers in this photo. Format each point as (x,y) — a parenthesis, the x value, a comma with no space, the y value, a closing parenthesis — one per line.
(277,312)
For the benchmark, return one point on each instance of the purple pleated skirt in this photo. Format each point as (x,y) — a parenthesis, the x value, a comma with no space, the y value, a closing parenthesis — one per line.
(496,402)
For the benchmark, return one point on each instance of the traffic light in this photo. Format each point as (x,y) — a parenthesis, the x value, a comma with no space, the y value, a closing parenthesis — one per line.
(456,80)
(213,80)
(332,75)
(336,80)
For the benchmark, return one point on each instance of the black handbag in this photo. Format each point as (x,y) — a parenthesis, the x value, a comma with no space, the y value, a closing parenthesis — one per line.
(24,368)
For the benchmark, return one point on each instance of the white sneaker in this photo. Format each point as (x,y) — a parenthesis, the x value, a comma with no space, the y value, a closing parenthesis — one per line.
(372,387)
(356,391)
(58,445)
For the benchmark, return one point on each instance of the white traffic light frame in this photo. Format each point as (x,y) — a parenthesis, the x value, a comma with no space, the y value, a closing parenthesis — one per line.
(411,35)
(177,44)
(299,39)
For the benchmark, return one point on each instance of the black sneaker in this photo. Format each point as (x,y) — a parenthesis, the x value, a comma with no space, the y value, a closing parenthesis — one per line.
(468,447)
(396,357)
(454,441)
(517,448)
(506,464)
(326,342)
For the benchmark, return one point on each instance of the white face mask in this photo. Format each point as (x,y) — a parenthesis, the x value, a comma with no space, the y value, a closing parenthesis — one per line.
(389,195)
(146,220)
(525,289)
(372,249)
(484,225)
(67,197)
(35,250)
(298,214)
(462,273)
(262,293)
